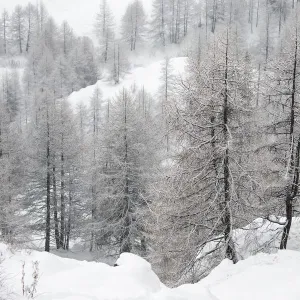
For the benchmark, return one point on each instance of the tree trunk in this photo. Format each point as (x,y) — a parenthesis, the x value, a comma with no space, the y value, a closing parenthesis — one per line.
(62,202)
(258,85)
(167,65)
(94,190)
(163,34)
(29,29)
(267,36)
(93,215)
(230,249)
(68,229)
(287,227)
(106,47)
(214,18)
(1,149)
(280,17)
(251,8)
(65,37)
(257,13)
(125,237)
(20,38)
(186,18)
(292,189)
(206,19)
(55,212)
(177,25)
(48,199)
(4,33)
(289,201)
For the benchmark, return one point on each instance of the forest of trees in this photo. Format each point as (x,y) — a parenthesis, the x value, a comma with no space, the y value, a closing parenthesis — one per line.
(171,176)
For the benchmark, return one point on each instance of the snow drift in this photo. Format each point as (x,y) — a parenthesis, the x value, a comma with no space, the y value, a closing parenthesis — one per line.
(264,276)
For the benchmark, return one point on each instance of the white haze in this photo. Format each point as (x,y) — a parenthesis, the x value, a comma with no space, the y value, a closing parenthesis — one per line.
(80,14)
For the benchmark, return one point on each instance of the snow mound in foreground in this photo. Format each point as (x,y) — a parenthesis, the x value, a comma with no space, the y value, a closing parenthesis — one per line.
(260,277)
(264,276)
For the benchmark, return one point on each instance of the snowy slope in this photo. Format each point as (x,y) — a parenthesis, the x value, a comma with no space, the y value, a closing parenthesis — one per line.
(148,76)
(261,277)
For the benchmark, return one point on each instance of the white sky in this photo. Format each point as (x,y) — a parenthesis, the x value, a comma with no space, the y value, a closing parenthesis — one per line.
(79,13)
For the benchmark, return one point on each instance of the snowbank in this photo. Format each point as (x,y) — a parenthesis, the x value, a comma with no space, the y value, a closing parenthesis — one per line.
(62,278)
(261,277)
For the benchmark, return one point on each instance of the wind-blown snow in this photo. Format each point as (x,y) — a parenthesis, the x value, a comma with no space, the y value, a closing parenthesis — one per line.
(260,277)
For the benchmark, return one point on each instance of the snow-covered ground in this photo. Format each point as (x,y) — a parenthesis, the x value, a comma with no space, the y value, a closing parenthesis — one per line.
(148,76)
(260,277)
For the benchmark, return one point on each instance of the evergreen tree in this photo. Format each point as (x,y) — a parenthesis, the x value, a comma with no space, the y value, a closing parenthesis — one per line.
(18,28)
(158,28)
(124,173)
(104,28)
(282,93)
(133,25)
(4,30)
(208,198)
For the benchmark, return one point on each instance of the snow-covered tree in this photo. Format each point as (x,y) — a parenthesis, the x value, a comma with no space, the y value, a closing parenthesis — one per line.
(4,25)
(30,25)
(133,25)
(11,157)
(18,28)
(209,187)
(104,28)
(125,165)
(158,28)
(284,144)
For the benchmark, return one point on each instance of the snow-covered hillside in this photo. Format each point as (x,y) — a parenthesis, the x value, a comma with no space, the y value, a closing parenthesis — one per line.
(261,277)
(147,76)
